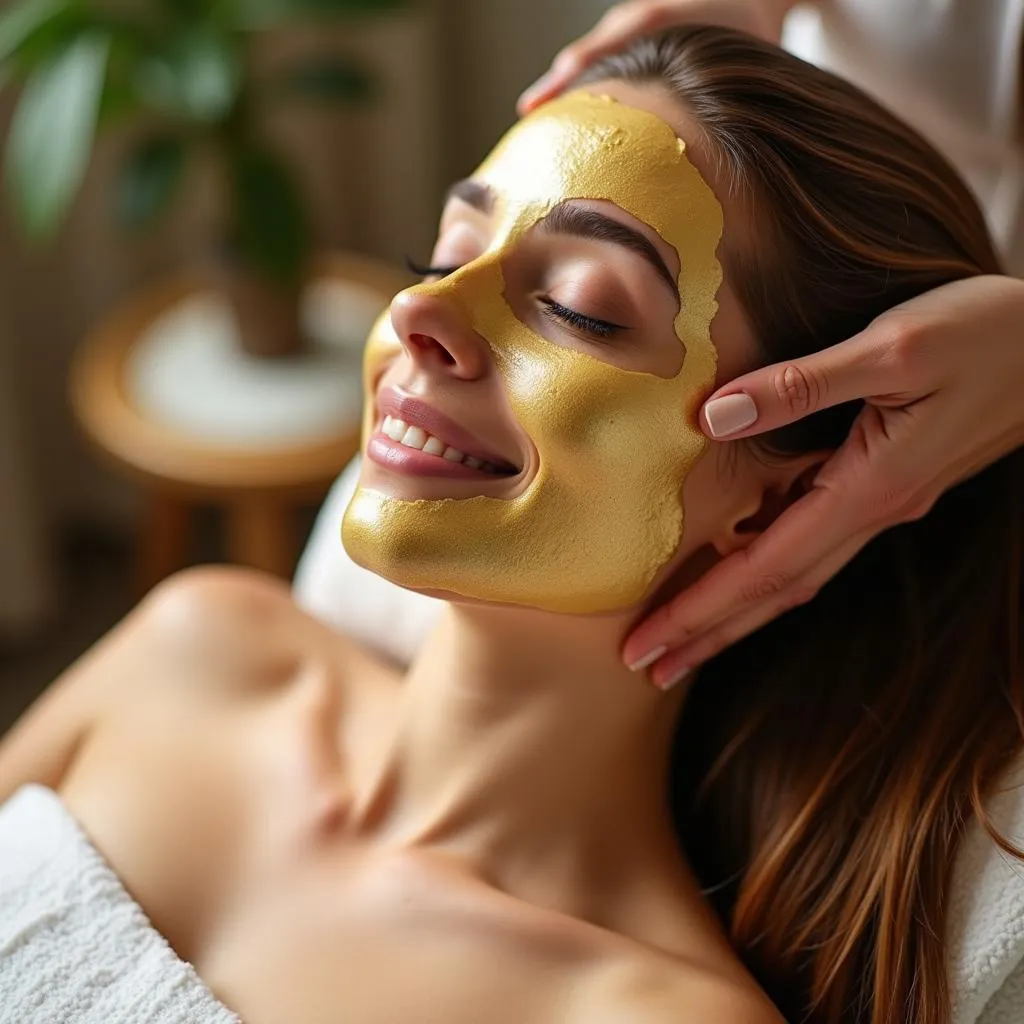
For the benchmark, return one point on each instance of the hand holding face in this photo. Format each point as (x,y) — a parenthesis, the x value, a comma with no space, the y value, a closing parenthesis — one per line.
(943,380)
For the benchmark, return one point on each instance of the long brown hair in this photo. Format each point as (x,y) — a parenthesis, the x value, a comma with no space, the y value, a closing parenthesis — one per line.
(825,768)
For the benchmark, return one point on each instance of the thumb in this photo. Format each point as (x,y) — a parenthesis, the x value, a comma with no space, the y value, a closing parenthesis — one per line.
(777,395)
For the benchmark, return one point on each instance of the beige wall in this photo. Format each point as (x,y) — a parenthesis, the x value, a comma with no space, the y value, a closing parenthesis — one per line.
(497,47)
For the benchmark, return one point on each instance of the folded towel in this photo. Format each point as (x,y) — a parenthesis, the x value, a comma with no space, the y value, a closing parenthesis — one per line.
(75,948)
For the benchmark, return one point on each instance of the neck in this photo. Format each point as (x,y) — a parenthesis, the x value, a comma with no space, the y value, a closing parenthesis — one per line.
(524,745)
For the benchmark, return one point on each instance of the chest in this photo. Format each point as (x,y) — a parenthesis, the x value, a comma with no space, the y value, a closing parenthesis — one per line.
(228,830)
(383,940)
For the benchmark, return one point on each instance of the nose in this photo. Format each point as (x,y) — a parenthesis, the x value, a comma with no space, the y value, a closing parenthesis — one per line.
(436,334)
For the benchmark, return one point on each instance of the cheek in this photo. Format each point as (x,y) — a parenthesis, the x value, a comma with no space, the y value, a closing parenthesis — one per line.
(577,414)
(595,427)
(734,339)
(380,354)
(706,499)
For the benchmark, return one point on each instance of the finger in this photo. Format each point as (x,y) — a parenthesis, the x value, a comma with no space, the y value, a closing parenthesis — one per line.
(547,87)
(677,664)
(823,520)
(615,30)
(669,668)
(869,365)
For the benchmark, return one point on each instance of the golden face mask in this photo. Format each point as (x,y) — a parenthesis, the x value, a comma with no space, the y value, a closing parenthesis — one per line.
(603,513)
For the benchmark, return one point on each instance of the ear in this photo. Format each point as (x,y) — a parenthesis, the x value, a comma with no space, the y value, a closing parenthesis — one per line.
(774,485)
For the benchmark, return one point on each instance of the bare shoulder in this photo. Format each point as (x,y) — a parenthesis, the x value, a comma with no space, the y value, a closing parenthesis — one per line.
(232,625)
(239,630)
(119,669)
(656,993)
(204,634)
(207,605)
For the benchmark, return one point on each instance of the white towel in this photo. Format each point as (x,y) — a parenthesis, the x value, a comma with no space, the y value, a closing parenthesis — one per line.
(986,915)
(75,948)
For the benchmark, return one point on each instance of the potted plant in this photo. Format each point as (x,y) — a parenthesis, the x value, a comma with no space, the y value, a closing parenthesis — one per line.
(186,67)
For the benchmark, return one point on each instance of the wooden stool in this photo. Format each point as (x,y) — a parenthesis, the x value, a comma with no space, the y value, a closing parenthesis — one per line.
(258,485)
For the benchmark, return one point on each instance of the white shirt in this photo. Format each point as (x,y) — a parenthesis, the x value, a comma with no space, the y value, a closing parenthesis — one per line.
(951,69)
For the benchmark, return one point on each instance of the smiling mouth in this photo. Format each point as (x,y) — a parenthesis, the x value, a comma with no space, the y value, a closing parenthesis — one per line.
(410,436)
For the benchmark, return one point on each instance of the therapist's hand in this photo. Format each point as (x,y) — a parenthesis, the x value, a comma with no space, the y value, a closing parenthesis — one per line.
(943,378)
(635,18)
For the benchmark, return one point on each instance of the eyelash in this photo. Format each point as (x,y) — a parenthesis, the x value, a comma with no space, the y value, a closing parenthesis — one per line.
(428,271)
(603,329)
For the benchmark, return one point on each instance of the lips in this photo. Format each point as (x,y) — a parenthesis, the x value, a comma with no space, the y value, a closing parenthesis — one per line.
(416,413)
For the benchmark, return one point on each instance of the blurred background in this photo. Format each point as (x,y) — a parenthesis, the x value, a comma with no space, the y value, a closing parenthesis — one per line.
(392,101)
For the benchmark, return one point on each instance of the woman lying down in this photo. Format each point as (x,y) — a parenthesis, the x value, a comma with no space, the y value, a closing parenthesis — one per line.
(516,830)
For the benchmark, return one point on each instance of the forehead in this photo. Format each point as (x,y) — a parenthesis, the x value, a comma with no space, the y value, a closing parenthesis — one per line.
(584,146)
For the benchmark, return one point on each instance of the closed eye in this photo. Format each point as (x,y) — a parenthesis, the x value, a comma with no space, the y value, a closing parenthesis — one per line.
(554,310)
(591,325)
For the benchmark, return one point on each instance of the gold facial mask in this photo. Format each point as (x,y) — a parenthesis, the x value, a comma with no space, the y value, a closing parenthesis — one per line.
(604,512)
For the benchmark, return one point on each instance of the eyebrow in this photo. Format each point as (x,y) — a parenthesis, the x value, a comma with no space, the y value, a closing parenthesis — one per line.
(571,220)
(567,219)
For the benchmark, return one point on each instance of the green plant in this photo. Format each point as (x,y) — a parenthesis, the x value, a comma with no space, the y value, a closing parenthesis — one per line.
(185,65)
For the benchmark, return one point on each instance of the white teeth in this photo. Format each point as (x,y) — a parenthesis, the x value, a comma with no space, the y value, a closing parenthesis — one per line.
(415,437)
(418,438)
(395,429)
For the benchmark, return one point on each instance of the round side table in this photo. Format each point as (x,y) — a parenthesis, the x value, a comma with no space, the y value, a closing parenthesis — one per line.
(162,388)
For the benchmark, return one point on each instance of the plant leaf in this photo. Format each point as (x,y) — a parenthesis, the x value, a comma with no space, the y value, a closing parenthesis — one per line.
(147,180)
(326,78)
(51,135)
(117,102)
(185,10)
(119,94)
(19,23)
(198,76)
(306,7)
(48,38)
(270,225)
(51,39)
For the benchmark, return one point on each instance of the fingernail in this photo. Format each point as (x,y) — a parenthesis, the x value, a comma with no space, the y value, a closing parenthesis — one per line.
(648,659)
(727,415)
(677,677)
